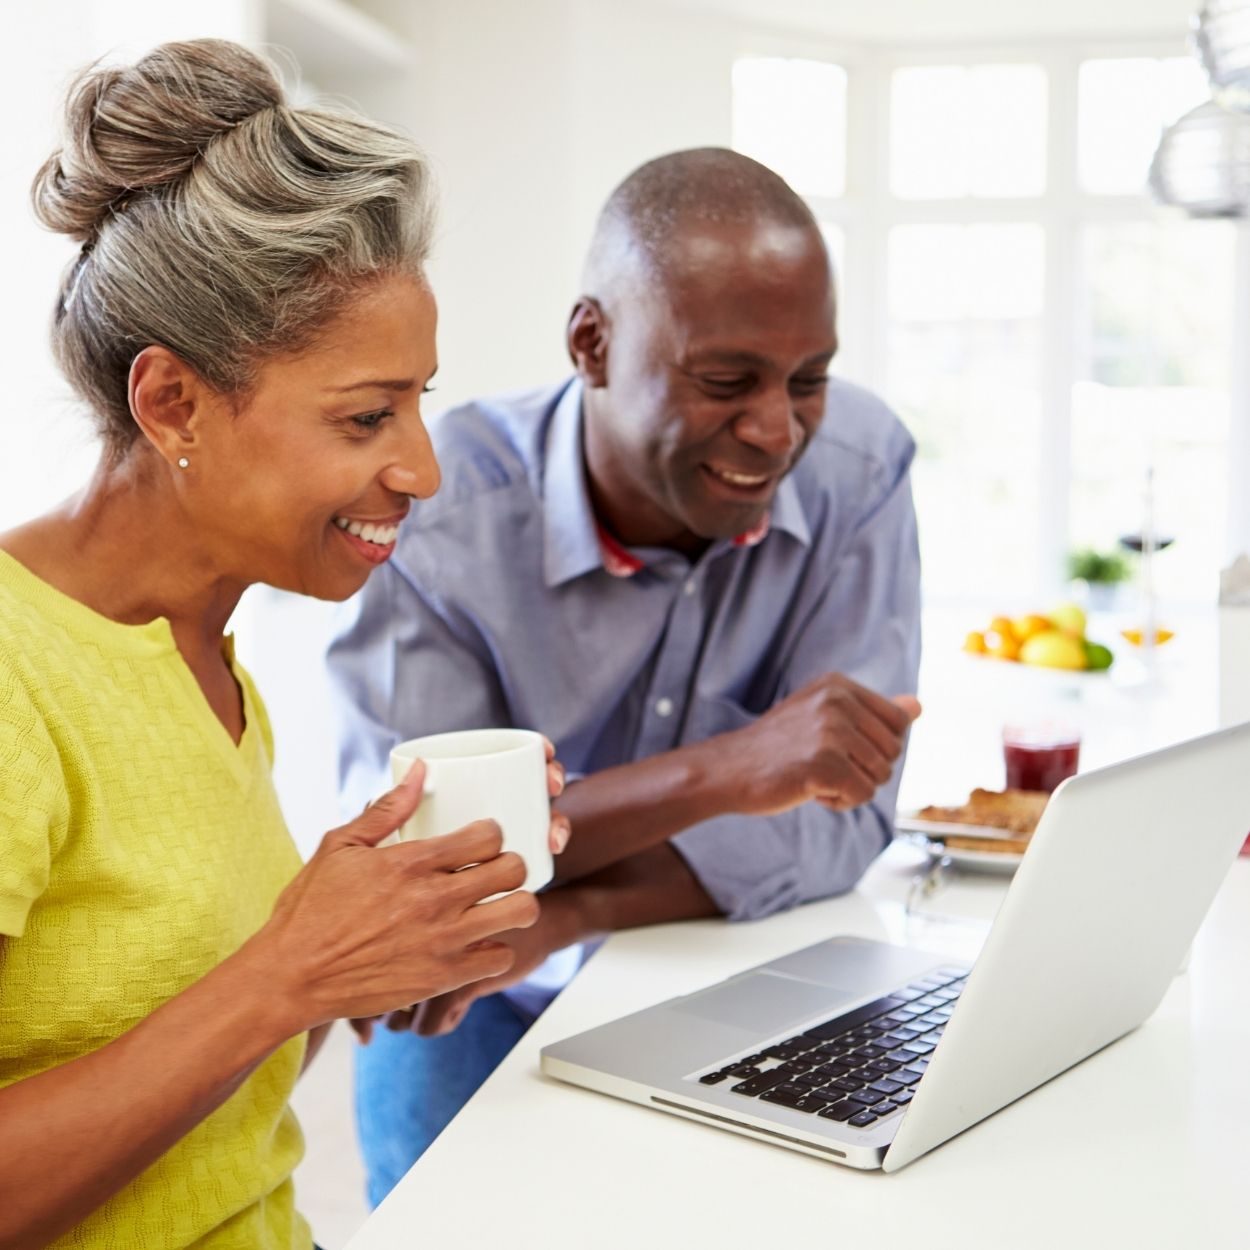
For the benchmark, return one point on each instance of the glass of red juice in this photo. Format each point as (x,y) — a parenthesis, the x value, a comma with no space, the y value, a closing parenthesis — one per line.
(1039,757)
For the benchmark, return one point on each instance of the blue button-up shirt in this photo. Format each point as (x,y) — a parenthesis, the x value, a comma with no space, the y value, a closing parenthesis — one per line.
(496,609)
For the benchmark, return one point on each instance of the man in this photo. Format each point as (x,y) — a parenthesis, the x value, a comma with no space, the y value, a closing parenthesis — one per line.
(691,566)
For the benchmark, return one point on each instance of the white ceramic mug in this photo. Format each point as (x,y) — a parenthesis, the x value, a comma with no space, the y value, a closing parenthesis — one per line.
(480,774)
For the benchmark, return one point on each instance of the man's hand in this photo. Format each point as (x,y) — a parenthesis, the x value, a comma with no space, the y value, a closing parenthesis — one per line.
(558,926)
(834,741)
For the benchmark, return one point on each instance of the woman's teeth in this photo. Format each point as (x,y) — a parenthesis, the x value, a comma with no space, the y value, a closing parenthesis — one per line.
(380,535)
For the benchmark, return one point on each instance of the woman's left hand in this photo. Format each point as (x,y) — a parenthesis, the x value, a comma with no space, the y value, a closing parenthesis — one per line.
(560,830)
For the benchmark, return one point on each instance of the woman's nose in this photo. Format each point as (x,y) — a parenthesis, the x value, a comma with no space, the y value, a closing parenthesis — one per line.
(415,470)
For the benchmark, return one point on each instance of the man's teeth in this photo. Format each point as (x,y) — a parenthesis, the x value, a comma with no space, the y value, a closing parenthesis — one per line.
(380,535)
(740,479)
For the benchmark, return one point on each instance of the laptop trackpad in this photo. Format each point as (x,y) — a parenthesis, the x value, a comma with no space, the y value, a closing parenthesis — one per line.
(762,1002)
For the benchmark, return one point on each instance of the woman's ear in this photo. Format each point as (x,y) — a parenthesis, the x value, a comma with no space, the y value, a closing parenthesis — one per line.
(167,399)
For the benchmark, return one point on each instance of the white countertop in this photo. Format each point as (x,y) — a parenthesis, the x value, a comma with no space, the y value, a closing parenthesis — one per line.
(1146,1144)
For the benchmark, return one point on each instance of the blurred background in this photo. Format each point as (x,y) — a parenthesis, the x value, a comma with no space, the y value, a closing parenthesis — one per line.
(1061,345)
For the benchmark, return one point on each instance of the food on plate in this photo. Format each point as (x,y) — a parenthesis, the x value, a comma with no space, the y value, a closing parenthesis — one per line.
(1016,811)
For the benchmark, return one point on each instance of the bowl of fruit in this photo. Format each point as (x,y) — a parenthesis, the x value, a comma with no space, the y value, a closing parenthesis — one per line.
(1054,640)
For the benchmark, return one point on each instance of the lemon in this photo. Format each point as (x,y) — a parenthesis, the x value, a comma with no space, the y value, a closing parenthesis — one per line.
(1026,627)
(1054,649)
(1070,618)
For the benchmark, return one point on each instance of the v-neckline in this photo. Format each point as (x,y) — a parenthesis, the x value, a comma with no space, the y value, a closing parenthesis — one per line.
(153,640)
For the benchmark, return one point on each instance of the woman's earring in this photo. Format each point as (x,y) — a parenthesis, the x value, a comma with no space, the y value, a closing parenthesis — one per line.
(183,462)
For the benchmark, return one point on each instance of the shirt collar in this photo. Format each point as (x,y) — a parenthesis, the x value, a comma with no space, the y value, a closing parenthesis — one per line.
(574,541)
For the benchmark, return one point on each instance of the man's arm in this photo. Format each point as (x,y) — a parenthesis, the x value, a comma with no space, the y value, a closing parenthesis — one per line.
(794,804)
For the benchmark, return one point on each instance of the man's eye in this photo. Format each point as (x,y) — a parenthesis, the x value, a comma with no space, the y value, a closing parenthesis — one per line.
(726,385)
(371,420)
(809,385)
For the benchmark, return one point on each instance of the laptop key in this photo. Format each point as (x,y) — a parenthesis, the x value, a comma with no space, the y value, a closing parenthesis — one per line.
(786,1095)
(897,1038)
(836,1069)
(884,1108)
(885,1065)
(887,1087)
(901,1055)
(713,1078)
(920,1047)
(904,1096)
(815,1101)
(910,1075)
(852,1019)
(865,1097)
(759,1084)
(809,1080)
(862,1119)
(846,1084)
(840,1110)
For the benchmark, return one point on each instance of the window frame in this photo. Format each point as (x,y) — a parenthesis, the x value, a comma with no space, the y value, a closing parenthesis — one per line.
(869,210)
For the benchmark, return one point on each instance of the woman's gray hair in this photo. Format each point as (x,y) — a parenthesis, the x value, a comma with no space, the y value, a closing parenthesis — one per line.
(215,219)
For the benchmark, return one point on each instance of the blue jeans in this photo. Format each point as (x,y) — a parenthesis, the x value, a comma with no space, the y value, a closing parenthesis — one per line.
(408,1088)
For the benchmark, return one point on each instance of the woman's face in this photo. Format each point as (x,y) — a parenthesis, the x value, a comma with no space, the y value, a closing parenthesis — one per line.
(304,485)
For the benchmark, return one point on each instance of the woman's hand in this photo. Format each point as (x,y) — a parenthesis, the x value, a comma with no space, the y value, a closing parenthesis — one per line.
(365,929)
(560,831)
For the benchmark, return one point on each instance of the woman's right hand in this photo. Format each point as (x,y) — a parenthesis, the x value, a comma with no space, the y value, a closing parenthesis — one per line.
(365,929)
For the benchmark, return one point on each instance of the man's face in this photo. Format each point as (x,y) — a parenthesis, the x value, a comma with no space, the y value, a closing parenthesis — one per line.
(716,378)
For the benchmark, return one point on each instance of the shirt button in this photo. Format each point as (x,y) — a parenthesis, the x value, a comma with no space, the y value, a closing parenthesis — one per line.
(664,707)
(690,587)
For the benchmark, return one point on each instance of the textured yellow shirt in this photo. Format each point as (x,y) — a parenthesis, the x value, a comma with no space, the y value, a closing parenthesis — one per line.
(139,847)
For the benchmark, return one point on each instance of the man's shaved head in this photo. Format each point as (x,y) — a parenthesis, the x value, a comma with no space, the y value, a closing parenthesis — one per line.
(644,223)
(703,338)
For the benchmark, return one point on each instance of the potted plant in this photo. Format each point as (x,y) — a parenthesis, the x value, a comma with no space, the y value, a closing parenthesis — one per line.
(1100,573)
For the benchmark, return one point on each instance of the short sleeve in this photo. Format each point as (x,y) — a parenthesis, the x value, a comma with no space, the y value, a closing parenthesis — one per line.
(33,802)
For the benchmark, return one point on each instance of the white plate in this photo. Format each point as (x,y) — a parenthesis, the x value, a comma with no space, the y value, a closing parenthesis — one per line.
(928,836)
(980,861)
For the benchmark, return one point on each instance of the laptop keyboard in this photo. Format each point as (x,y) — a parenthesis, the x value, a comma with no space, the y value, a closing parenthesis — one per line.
(859,1067)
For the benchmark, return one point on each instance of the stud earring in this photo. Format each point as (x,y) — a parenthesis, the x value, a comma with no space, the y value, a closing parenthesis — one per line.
(183,462)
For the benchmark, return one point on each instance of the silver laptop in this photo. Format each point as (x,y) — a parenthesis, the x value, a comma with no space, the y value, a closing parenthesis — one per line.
(870,1055)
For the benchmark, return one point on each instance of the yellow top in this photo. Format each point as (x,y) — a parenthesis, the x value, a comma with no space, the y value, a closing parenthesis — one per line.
(139,847)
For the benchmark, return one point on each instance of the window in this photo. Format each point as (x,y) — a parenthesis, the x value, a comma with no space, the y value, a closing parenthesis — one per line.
(978,131)
(1047,333)
(791,116)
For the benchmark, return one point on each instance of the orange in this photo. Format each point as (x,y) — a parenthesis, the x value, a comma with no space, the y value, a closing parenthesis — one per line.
(1138,636)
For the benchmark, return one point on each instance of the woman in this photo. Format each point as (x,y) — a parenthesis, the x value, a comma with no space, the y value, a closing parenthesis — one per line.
(249,324)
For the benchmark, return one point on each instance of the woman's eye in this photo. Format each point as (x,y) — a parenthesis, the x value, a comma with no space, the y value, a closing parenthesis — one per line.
(371,420)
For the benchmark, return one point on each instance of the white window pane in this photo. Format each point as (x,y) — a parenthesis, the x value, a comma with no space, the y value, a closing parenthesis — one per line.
(928,132)
(983,271)
(964,350)
(835,241)
(1123,106)
(790,114)
(1008,134)
(1157,323)
(957,131)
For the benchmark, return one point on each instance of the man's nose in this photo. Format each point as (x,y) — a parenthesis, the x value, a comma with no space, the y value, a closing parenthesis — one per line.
(415,470)
(770,424)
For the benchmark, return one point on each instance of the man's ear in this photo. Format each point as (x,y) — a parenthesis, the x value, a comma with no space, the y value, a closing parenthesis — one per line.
(167,398)
(587,339)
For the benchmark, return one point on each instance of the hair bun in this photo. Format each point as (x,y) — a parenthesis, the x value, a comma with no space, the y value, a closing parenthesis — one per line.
(132,127)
